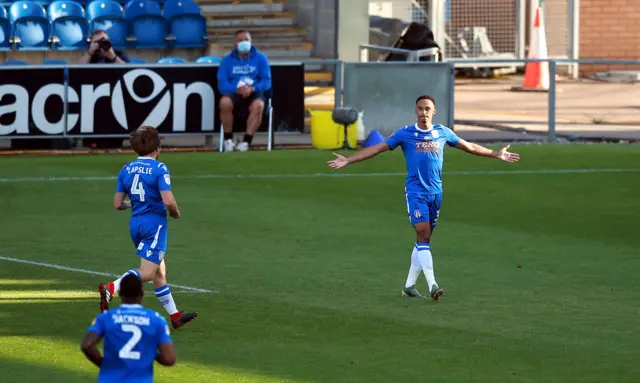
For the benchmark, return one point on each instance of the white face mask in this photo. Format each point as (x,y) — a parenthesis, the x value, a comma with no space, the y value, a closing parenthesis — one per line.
(244,46)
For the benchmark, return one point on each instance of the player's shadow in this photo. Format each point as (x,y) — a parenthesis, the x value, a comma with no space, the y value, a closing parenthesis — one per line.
(22,371)
(301,341)
(31,300)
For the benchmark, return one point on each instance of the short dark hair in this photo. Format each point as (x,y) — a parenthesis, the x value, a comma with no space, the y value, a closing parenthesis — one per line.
(426,97)
(239,31)
(144,140)
(131,288)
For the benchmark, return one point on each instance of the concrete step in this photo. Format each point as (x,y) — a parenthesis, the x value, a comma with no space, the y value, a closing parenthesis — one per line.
(319,94)
(239,9)
(274,54)
(272,50)
(317,79)
(279,19)
(619,76)
(259,41)
(267,45)
(291,34)
(319,106)
(309,66)
(319,98)
(237,2)
(262,31)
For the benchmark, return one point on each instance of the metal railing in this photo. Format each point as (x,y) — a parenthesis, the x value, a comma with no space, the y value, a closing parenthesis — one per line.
(412,55)
(552,92)
(337,67)
(553,82)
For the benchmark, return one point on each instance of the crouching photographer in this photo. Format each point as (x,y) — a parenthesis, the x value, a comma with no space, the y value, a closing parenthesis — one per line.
(101,51)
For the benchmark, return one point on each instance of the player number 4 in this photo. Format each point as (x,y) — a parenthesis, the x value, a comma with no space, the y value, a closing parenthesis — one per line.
(125,352)
(137,188)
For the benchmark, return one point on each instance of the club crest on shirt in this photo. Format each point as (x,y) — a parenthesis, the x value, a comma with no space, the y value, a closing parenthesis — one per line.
(435,134)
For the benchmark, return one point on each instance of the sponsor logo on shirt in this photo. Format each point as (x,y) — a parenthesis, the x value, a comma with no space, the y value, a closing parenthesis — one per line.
(427,147)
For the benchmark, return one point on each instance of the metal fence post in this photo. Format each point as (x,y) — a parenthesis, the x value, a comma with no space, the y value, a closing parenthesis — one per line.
(436,22)
(521,28)
(65,108)
(338,85)
(574,36)
(552,101)
(452,93)
(533,5)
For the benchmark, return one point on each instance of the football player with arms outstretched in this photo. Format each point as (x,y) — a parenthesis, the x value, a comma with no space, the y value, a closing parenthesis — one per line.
(423,144)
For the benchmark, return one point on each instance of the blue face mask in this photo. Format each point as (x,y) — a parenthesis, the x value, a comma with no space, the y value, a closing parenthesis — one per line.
(244,46)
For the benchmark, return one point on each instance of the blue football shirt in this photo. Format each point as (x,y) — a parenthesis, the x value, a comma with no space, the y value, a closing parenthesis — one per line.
(424,154)
(131,335)
(143,180)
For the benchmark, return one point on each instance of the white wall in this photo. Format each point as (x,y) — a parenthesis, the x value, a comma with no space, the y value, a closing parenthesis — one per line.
(399,9)
(353,28)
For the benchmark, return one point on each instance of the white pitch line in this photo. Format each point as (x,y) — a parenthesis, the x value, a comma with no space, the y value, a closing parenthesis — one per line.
(92,272)
(329,175)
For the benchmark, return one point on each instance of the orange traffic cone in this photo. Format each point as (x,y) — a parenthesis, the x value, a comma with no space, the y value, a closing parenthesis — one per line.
(536,74)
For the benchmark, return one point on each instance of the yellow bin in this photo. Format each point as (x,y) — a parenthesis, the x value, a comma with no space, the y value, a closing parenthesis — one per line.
(326,134)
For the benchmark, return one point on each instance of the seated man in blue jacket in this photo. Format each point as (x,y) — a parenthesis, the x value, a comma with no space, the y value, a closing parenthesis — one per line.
(244,76)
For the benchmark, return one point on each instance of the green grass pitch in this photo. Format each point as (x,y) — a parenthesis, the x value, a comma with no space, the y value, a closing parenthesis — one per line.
(539,264)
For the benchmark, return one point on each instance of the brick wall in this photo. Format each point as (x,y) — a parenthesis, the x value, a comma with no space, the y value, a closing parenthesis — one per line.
(609,29)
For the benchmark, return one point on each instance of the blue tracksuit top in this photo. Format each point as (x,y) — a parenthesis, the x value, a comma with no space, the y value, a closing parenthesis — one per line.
(254,70)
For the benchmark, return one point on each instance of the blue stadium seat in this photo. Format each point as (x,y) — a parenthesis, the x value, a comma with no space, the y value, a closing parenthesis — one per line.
(108,16)
(15,62)
(173,8)
(45,3)
(208,60)
(137,61)
(54,62)
(188,27)
(69,25)
(171,60)
(147,24)
(5,30)
(30,25)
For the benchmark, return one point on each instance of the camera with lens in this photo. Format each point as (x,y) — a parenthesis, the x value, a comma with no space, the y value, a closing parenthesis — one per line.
(104,44)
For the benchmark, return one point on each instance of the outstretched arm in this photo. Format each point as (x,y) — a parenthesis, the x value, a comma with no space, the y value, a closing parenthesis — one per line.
(479,150)
(364,154)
